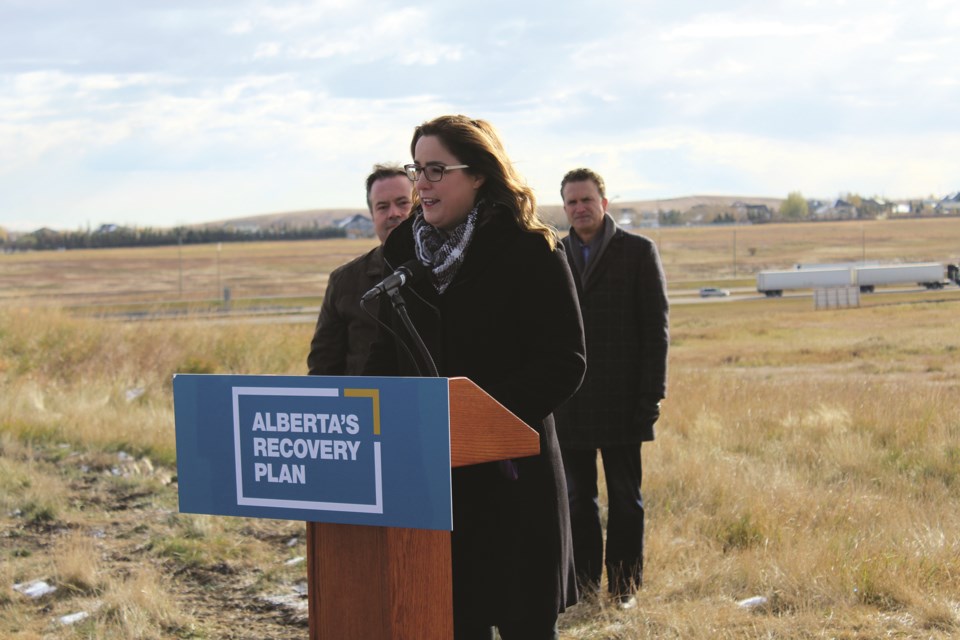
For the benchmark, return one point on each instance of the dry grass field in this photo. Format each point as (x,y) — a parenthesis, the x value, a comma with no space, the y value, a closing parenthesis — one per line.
(198,274)
(807,459)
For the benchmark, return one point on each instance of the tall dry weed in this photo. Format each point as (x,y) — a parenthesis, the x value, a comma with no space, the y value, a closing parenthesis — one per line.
(77,563)
(37,499)
(141,606)
(109,385)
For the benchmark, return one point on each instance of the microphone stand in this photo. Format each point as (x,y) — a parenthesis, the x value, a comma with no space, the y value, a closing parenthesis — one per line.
(401,308)
(508,468)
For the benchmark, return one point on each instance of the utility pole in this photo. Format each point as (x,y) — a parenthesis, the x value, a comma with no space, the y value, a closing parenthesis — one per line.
(180,264)
(734,253)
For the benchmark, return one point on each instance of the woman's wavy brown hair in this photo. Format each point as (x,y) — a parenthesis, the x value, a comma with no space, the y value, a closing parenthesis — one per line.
(477,144)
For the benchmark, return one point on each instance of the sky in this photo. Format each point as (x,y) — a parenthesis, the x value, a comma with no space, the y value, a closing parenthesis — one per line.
(157,113)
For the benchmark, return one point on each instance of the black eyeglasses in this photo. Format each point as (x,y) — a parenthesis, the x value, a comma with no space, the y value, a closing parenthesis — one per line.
(433,172)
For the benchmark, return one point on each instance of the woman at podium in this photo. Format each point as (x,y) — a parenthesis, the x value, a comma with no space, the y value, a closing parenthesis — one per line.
(494,302)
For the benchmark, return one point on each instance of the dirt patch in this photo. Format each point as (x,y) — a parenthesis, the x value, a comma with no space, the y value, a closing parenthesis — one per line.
(220,577)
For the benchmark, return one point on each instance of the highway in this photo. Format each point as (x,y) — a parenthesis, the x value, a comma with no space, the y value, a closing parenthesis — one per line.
(274,311)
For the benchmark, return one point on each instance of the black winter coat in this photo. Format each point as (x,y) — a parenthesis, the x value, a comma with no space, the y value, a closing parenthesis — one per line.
(509,321)
(625,318)
(344,332)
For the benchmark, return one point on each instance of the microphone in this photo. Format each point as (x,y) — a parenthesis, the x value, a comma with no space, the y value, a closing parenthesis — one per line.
(408,273)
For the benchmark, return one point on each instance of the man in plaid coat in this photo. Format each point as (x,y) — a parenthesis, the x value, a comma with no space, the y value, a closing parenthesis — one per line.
(623,300)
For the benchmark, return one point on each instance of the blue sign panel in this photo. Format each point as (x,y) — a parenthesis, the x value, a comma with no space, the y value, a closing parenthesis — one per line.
(351,450)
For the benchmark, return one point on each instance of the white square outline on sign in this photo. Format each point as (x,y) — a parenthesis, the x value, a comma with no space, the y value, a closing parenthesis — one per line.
(377,507)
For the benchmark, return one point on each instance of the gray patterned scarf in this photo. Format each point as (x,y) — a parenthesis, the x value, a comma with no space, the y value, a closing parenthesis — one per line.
(441,251)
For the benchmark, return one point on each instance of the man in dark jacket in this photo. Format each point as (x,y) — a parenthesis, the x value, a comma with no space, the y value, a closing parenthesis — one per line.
(344,331)
(623,301)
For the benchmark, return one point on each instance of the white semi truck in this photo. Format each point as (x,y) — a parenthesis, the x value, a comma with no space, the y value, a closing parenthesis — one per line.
(927,274)
(867,277)
(774,283)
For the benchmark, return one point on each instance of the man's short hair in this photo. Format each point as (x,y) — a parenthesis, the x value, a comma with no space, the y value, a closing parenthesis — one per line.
(381,171)
(582,174)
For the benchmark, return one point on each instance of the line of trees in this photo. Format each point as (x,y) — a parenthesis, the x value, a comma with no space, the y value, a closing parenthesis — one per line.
(49,239)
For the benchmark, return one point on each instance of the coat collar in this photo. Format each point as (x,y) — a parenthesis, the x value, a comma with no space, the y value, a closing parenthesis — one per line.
(496,227)
(588,276)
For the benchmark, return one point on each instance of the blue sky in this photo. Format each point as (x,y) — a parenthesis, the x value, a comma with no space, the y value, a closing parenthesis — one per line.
(165,112)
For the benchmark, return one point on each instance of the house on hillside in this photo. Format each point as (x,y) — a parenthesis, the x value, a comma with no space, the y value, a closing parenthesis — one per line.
(752,212)
(814,205)
(949,204)
(647,220)
(625,217)
(874,208)
(630,218)
(357,226)
(839,210)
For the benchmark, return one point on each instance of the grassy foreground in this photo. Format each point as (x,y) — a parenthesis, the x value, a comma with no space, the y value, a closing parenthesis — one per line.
(811,458)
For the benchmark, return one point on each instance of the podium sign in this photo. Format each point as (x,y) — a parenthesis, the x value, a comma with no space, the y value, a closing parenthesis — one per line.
(347,450)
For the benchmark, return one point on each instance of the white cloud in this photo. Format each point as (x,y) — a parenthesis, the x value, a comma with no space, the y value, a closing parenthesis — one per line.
(891,167)
(240,27)
(731,27)
(268,50)
(368,38)
(293,16)
(217,110)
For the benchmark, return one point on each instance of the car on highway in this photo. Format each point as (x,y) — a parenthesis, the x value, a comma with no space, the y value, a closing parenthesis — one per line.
(713,292)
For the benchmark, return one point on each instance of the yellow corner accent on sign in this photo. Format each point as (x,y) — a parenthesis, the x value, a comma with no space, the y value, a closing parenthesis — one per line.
(373,394)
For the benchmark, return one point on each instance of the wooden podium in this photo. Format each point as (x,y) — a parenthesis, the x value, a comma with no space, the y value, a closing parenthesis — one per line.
(372,583)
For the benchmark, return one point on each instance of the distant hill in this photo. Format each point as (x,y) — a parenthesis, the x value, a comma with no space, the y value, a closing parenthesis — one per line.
(691,207)
(286,219)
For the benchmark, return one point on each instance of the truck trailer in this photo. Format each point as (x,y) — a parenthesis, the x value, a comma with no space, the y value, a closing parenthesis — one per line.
(865,276)
(773,283)
(925,274)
